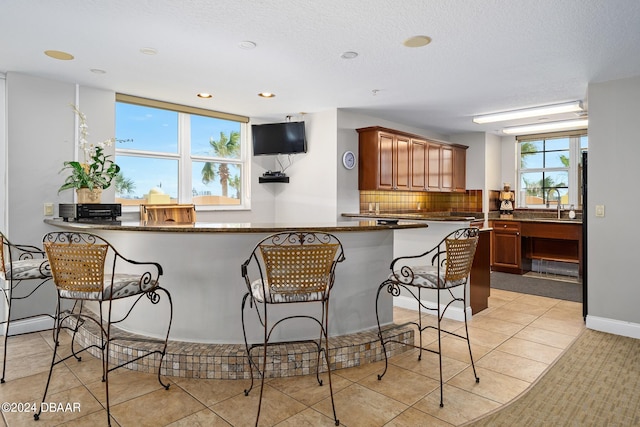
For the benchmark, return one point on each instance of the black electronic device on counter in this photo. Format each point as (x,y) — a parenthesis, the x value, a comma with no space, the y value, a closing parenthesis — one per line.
(90,212)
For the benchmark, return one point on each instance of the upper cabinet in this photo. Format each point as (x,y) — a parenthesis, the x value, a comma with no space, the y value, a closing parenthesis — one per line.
(395,160)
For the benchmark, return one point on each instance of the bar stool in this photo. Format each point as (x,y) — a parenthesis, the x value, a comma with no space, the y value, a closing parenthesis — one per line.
(85,267)
(450,265)
(293,267)
(17,264)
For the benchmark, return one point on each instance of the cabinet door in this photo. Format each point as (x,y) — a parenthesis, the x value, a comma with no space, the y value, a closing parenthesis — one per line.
(418,165)
(402,163)
(446,172)
(433,153)
(459,169)
(507,247)
(385,161)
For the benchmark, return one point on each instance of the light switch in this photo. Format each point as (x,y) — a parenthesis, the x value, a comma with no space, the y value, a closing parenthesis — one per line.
(600,211)
(48,209)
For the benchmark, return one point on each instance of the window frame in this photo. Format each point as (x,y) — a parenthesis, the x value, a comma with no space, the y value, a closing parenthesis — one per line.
(186,159)
(575,155)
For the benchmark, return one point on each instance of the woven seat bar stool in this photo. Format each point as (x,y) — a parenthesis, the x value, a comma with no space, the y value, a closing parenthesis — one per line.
(294,267)
(86,268)
(449,268)
(20,265)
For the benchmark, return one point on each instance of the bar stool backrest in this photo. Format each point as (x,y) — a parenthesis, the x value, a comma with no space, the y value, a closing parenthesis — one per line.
(77,266)
(460,253)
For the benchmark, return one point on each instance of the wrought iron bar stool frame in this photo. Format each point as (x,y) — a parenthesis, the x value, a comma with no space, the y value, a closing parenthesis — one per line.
(84,267)
(451,261)
(19,263)
(281,281)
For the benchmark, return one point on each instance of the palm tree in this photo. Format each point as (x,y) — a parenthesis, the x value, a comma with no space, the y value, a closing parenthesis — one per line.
(123,185)
(225,147)
(234,182)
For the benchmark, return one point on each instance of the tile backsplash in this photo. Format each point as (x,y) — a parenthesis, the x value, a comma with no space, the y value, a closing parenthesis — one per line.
(410,201)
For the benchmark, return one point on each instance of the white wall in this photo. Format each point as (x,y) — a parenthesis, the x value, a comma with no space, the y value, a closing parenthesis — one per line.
(613,176)
(3,154)
(509,163)
(310,195)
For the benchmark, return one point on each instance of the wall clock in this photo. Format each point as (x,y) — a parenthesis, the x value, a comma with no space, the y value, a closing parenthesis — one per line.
(349,159)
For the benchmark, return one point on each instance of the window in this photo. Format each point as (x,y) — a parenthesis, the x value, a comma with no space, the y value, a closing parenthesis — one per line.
(549,169)
(176,154)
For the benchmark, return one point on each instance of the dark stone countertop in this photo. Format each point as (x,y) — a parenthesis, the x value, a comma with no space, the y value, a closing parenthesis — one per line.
(246,227)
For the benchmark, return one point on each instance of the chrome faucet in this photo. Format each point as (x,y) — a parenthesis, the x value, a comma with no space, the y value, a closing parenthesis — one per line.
(558,199)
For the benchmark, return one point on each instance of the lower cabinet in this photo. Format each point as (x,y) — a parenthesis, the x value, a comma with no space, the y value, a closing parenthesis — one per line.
(506,244)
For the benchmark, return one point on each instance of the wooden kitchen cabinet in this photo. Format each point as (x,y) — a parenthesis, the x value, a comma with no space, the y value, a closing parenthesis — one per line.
(384,159)
(434,174)
(395,160)
(459,169)
(453,164)
(419,164)
(506,244)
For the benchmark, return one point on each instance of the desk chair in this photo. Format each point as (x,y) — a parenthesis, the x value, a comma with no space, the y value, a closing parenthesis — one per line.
(294,267)
(17,264)
(450,265)
(87,268)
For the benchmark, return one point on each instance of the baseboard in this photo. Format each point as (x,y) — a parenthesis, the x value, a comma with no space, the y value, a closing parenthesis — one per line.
(453,313)
(29,325)
(612,326)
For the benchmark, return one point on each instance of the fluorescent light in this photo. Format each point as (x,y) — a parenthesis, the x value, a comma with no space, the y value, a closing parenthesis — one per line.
(568,107)
(546,127)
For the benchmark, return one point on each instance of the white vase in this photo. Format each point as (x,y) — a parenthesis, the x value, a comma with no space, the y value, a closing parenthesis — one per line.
(85,195)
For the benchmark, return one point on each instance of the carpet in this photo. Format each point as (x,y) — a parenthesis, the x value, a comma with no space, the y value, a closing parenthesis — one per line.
(594,383)
(526,284)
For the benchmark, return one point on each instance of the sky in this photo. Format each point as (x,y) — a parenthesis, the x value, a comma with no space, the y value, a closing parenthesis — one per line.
(146,129)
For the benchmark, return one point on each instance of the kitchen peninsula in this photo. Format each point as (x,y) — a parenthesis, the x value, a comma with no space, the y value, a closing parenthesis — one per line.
(201,263)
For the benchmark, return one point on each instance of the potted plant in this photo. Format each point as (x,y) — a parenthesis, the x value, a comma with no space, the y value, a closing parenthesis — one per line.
(97,170)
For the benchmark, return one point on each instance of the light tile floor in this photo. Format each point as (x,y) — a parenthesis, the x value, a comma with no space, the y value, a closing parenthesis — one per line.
(514,341)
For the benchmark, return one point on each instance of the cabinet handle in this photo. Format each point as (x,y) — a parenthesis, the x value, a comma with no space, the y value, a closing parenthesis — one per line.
(517,234)
(505,226)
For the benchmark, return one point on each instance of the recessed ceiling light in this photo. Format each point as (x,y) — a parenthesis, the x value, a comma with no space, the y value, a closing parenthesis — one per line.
(204,95)
(267,94)
(349,55)
(58,54)
(417,41)
(149,51)
(97,71)
(247,44)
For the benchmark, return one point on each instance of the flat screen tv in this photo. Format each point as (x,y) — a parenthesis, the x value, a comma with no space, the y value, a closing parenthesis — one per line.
(279,138)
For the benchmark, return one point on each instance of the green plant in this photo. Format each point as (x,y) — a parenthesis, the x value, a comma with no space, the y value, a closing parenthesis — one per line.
(98,173)
(97,170)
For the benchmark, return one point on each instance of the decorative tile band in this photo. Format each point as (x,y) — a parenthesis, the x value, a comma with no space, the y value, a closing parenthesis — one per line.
(229,361)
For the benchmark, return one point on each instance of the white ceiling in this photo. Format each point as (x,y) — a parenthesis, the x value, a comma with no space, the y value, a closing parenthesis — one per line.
(486,55)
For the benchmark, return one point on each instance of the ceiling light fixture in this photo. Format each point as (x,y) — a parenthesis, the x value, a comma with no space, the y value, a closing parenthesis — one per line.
(547,127)
(267,95)
(349,55)
(149,51)
(417,41)
(204,95)
(58,54)
(247,44)
(97,71)
(568,107)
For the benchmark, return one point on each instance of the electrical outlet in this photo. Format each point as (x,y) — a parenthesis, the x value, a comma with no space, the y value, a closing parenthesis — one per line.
(600,211)
(48,209)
